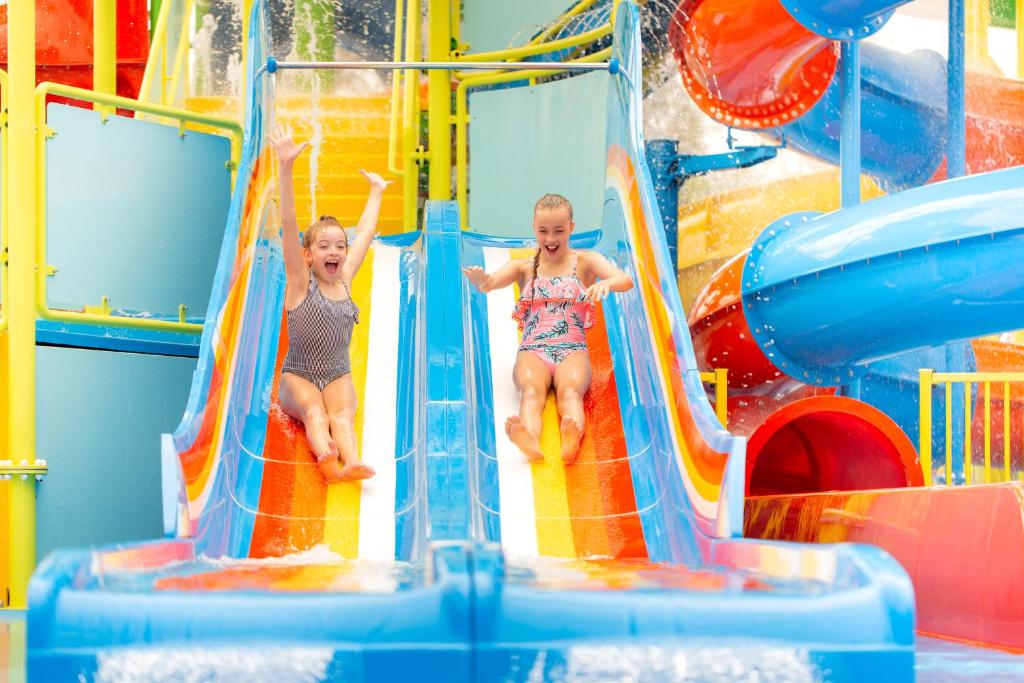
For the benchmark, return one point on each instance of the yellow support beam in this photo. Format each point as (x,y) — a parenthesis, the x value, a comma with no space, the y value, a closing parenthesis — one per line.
(21,359)
(439,125)
(927,377)
(104,51)
(410,120)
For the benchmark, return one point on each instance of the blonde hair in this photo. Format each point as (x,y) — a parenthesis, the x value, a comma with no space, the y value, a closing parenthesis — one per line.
(548,202)
(321,223)
(553,201)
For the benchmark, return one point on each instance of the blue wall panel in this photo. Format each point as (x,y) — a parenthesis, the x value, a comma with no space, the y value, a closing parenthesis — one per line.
(134,211)
(100,417)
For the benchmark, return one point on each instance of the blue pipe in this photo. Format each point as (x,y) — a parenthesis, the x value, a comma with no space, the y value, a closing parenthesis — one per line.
(842,19)
(957,114)
(903,118)
(826,294)
(662,157)
(849,147)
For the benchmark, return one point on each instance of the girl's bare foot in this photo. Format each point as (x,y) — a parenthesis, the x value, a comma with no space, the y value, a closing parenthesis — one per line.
(523,439)
(571,435)
(357,470)
(329,465)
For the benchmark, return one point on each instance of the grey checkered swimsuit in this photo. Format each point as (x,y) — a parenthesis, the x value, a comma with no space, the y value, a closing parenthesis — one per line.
(319,333)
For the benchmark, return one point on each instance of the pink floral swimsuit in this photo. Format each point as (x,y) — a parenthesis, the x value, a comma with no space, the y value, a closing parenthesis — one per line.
(553,316)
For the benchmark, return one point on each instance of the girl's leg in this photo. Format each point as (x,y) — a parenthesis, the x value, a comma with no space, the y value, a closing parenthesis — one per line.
(341,400)
(533,380)
(301,400)
(572,379)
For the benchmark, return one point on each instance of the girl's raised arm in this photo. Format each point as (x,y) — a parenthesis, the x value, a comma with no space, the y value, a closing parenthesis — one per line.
(503,277)
(296,271)
(367,226)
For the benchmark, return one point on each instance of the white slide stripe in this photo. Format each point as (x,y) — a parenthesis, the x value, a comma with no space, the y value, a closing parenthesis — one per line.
(515,476)
(377,503)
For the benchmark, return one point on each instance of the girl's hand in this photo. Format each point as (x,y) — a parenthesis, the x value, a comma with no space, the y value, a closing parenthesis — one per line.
(376,182)
(596,292)
(476,275)
(286,149)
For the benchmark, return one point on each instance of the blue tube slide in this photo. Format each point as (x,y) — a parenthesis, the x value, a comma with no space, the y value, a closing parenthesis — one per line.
(903,118)
(824,295)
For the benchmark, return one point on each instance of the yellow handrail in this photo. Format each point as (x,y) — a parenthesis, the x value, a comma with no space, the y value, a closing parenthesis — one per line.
(719,379)
(180,69)
(578,8)
(462,117)
(396,88)
(157,54)
(42,132)
(3,201)
(515,54)
(411,152)
(928,379)
(1020,38)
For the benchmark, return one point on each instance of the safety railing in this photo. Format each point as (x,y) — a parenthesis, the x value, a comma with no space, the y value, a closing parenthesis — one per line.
(4,175)
(167,68)
(719,379)
(405,106)
(102,315)
(1003,471)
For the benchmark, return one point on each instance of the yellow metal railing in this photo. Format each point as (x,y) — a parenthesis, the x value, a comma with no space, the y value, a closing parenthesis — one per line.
(558,24)
(928,379)
(405,109)
(101,315)
(3,200)
(164,78)
(462,118)
(719,379)
(1020,38)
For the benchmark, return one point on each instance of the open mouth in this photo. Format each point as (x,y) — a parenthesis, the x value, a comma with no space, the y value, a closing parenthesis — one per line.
(551,248)
(331,267)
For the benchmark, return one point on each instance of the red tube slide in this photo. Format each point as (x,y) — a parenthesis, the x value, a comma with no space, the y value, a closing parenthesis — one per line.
(803,439)
(747,63)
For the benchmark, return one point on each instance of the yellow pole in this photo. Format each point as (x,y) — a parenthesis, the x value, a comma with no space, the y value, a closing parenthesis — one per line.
(926,425)
(1020,38)
(439,128)
(410,119)
(21,360)
(104,48)
(722,395)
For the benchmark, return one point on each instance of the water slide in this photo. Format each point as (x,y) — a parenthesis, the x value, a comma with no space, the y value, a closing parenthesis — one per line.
(459,561)
(820,298)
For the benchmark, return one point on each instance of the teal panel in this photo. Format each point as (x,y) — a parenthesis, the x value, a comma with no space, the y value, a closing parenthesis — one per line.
(488,25)
(100,415)
(525,142)
(134,212)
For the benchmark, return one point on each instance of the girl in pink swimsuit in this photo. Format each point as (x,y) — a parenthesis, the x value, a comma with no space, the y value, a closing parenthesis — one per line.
(559,288)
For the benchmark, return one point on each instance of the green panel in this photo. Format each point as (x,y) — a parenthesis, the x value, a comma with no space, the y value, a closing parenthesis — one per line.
(525,142)
(488,25)
(100,415)
(134,211)
(1003,13)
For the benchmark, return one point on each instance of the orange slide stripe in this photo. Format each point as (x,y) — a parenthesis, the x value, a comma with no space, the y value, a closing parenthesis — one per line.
(600,485)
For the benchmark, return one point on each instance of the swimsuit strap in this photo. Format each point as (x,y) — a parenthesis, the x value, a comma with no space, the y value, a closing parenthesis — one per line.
(347,290)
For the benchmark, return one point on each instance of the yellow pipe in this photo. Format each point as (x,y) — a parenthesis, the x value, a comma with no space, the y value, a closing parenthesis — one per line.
(396,89)
(517,53)
(988,433)
(42,131)
(968,456)
(246,12)
(439,126)
(104,51)
(949,434)
(180,58)
(21,363)
(3,201)
(926,379)
(1020,38)
(576,9)
(722,395)
(410,120)
(1006,431)
(462,118)
(157,55)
